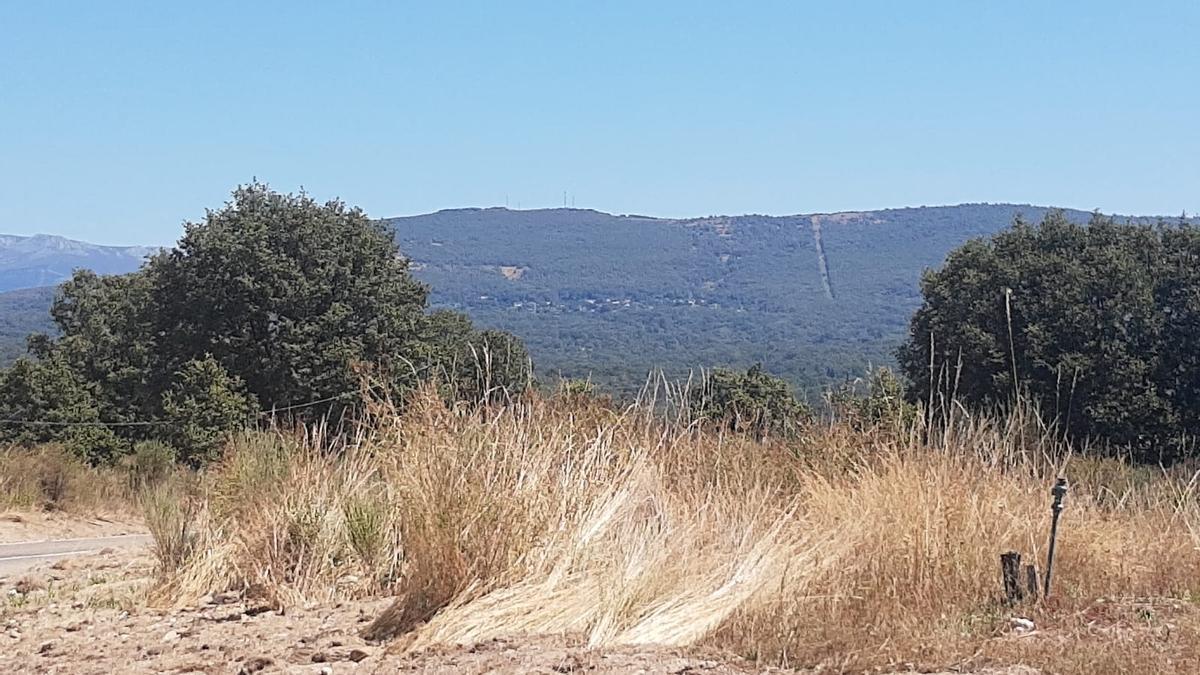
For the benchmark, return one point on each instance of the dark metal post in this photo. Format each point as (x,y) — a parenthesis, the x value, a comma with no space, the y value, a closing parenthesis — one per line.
(1059,491)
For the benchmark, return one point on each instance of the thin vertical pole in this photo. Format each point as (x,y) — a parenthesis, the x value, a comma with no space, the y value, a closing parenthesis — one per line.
(1059,491)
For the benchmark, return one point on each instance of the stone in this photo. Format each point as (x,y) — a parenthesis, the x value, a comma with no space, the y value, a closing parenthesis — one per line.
(1021,625)
(254,665)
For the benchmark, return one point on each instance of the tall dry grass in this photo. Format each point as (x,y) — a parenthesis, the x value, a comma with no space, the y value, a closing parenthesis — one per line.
(848,549)
(50,478)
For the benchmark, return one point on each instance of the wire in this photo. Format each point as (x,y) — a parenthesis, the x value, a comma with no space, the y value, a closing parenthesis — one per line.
(309,404)
(158,423)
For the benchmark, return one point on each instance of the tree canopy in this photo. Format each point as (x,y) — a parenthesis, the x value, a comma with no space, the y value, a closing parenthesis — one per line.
(272,302)
(1099,324)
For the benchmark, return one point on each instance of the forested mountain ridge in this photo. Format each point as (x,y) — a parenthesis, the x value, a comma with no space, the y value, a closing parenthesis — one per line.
(815,297)
(23,312)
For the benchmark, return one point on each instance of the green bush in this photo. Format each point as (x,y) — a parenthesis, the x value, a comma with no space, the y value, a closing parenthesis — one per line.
(150,463)
(752,402)
(1098,324)
(63,405)
(204,406)
(878,400)
(476,366)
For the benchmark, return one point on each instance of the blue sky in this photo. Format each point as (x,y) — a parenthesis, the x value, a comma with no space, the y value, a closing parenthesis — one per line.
(118,121)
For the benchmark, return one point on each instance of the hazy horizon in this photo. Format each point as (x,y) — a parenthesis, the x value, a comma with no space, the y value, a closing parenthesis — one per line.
(134,244)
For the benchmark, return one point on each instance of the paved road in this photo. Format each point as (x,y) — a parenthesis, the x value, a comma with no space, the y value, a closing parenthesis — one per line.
(19,556)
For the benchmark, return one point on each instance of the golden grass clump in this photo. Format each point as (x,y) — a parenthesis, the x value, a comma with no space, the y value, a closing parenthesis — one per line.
(50,478)
(848,549)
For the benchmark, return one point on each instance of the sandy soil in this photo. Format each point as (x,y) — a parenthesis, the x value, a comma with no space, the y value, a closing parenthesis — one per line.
(40,526)
(89,615)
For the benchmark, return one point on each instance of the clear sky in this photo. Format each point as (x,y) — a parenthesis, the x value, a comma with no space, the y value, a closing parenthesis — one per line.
(119,120)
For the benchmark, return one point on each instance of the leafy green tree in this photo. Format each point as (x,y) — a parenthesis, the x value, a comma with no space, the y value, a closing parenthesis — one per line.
(1088,321)
(754,402)
(106,338)
(46,401)
(447,335)
(204,405)
(148,465)
(273,299)
(474,365)
(291,296)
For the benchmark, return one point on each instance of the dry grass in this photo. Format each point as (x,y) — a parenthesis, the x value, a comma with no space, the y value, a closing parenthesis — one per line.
(846,549)
(48,478)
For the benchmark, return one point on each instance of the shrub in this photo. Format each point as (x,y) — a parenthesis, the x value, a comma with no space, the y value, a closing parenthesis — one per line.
(1097,324)
(50,391)
(170,517)
(204,406)
(753,402)
(52,477)
(877,401)
(150,463)
(476,366)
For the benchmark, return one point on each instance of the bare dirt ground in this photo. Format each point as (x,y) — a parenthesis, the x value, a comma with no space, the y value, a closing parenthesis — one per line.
(89,615)
(40,526)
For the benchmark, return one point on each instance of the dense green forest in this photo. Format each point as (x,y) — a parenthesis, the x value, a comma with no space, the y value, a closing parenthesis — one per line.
(611,297)
(22,313)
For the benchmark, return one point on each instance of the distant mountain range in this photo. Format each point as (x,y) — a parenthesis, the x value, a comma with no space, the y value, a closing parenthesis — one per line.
(47,260)
(815,297)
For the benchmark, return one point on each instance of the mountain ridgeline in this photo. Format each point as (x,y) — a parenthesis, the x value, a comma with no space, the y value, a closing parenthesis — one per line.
(815,298)
(30,268)
(46,260)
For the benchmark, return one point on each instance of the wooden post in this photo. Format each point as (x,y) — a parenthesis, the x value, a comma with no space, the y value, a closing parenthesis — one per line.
(1010,567)
(1031,582)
